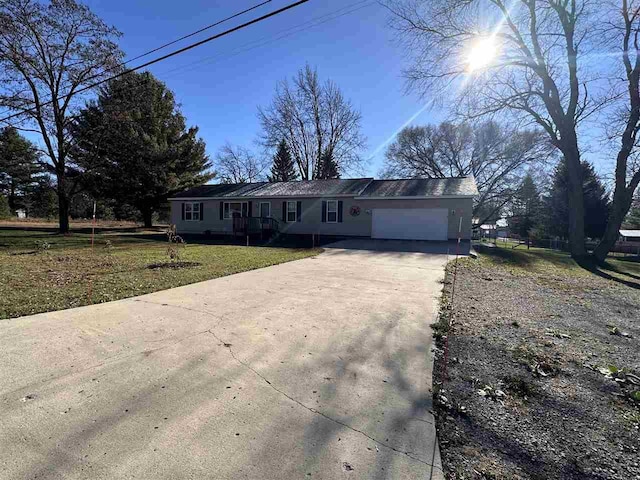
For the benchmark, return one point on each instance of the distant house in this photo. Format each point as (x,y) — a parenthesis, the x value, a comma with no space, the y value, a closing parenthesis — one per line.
(415,209)
(630,235)
(500,229)
(21,213)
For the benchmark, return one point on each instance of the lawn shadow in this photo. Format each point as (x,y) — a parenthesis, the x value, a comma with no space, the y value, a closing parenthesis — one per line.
(593,267)
(615,269)
(505,256)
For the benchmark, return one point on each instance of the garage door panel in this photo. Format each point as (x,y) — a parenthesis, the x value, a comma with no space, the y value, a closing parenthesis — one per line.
(410,224)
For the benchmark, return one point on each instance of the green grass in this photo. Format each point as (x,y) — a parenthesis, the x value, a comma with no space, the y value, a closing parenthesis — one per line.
(553,262)
(70,274)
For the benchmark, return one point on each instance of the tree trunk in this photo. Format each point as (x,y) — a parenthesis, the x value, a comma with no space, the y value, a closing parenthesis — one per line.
(63,211)
(63,204)
(147,217)
(621,204)
(576,197)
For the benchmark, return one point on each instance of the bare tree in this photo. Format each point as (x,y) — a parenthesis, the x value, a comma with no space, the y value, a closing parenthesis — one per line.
(49,54)
(495,155)
(314,119)
(235,164)
(535,59)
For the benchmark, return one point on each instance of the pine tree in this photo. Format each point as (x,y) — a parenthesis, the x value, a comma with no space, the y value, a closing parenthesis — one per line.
(596,203)
(327,167)
(283,168)
(5,212)
(526,207)
(19,167)
(633,217)
(137,148)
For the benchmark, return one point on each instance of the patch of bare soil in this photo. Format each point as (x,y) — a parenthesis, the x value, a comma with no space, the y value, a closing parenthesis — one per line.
(173,265)
(541,377)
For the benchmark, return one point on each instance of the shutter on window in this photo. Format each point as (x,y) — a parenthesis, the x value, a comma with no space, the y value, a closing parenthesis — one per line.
(250,205)
(183,211)
(339,211)
(324,212)
(298,211)
(221,210)
(201,211)
(284,211)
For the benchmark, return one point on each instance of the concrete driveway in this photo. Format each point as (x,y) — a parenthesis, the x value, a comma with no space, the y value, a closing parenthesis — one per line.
(314,369)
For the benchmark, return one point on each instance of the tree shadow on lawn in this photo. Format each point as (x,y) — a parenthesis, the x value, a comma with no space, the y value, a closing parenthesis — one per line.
(592,266)
(531,257)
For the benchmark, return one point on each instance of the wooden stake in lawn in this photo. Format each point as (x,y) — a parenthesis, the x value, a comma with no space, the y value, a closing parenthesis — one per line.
(93,232)
(93,225)
(453,291)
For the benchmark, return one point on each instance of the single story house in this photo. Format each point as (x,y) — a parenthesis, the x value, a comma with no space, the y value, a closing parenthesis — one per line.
(412,209)
(630,235)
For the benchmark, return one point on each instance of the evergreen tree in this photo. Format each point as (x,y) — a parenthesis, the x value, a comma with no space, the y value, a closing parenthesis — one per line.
(526,208)
(19,167)
(633,218)
(136,148)
(327,167)
(283,168)
(43,201)
(596,203)
(5,211)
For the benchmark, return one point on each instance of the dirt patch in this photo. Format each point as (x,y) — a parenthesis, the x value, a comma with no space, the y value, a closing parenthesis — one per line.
(532,388)
(174,265)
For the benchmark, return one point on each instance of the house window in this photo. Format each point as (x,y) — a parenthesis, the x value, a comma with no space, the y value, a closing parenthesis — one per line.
(235,209)
(265,209)
(332,211)
(192,211)
(292,211)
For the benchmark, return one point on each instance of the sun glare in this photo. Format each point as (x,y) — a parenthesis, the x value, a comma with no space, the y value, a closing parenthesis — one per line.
(482,53)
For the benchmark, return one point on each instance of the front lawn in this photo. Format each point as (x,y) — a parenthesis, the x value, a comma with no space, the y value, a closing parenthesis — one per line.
(543,372)
(42,271)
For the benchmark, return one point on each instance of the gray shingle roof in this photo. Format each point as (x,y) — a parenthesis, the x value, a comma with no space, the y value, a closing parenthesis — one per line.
(218,190)
(422,187)
(363,187)
(312,188)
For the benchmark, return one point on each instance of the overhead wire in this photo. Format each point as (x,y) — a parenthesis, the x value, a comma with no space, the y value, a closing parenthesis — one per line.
(164,57)
(165,45)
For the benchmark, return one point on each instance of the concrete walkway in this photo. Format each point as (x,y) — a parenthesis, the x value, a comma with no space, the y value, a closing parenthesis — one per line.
(318,368)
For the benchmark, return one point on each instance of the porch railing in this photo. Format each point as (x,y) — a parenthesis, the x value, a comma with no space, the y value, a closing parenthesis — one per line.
(255,225)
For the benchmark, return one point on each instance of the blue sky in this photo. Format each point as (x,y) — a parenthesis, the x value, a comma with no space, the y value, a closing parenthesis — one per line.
(221,84)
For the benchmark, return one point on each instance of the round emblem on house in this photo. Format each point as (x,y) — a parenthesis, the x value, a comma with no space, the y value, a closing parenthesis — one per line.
(355,211)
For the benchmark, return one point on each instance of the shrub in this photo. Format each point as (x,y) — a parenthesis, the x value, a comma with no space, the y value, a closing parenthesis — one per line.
(5,211)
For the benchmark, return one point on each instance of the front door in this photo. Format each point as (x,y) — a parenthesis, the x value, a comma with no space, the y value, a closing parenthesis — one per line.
(265,209)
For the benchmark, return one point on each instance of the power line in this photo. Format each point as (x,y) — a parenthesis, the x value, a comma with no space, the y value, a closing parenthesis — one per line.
(192,34)
(172,42)
(320,20)
(288,32)
(164,57)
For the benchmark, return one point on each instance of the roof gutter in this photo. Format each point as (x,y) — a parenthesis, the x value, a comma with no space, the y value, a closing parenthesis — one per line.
(415,197)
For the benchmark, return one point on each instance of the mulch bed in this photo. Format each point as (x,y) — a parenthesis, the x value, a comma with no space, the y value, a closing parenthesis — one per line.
(529,393)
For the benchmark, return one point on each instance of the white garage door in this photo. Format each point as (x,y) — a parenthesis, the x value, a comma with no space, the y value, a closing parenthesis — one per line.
(410,224)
